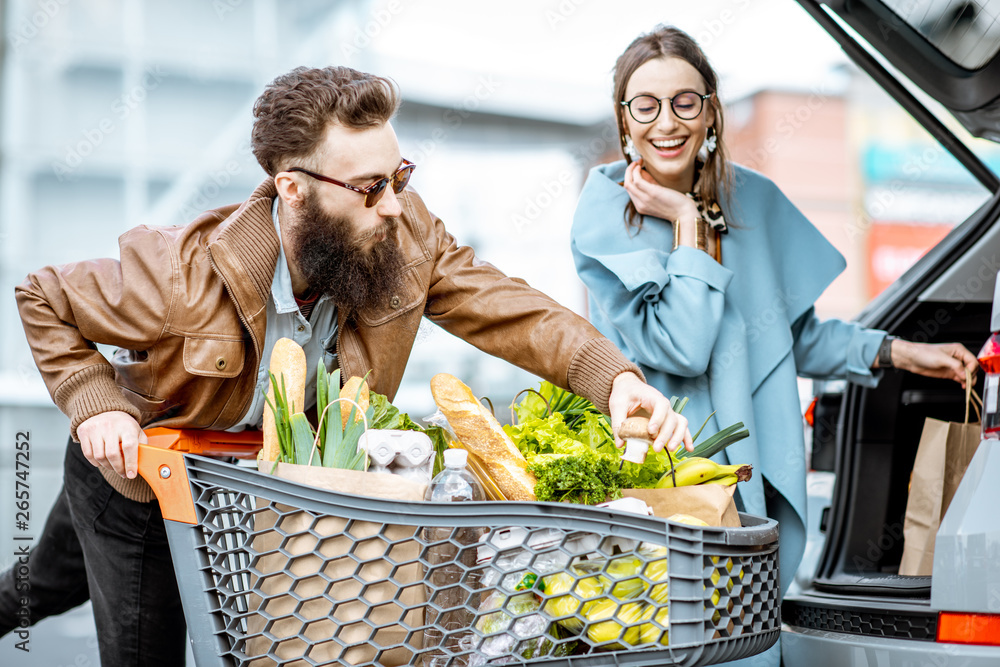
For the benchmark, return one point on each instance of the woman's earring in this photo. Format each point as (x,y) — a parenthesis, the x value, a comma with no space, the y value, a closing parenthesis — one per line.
(630,149)
(711,141)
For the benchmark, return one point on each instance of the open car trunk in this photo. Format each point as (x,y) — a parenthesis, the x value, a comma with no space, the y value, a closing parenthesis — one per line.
(946,297)
(857,588)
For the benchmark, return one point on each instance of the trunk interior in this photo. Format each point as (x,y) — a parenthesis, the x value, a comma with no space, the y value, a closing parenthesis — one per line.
(881,429)
(869,438)
(857,588)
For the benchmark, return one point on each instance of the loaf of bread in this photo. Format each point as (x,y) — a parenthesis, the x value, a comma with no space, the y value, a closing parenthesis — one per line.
(350,390)
(288,362)
(481,433)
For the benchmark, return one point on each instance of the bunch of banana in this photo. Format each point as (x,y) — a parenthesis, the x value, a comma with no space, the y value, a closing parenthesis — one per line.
(698,470)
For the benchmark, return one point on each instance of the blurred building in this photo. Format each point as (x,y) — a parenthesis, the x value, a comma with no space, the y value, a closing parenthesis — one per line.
(799,140)
(877,186)
(118,113)
(125,112)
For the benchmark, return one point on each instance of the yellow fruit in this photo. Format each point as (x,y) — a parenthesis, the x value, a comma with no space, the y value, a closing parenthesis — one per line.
(735,572)
(690,471)
(572,594)
(657,571)
(687,518)
(560,582)
(628,614)
(724,480)
(607,600)
(652,632)
(622,580)
(697,470)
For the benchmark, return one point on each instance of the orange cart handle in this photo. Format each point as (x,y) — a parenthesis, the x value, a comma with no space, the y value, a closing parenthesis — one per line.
(242,445)
(165,472)
(161,463)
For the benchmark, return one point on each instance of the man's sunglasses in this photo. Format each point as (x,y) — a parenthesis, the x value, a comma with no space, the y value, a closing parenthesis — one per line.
(373,193)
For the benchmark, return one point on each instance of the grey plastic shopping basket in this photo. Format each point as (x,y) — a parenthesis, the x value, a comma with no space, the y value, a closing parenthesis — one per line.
(274,572)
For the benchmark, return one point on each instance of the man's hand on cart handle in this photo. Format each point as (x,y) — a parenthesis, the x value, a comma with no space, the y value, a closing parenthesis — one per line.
(629,394)
(111,440)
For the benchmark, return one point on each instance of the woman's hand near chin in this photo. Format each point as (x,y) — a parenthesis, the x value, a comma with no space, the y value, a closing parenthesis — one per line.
(651,198)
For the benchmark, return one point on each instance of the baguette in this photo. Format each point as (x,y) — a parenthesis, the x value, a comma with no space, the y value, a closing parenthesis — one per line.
(481,434)
(288,361)
(350,391)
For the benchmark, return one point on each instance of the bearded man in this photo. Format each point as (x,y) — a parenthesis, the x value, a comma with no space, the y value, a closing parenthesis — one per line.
(331,251)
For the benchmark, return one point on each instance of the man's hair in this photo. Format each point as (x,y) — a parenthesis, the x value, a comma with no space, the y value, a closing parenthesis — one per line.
(295,109)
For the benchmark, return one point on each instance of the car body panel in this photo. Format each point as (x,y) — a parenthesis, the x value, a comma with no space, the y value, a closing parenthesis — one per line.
(849,605)
(972,95)
(819,648)
(971,276)
(966,576)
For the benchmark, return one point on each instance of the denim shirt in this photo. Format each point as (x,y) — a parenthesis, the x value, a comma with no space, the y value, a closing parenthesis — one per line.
(317,335)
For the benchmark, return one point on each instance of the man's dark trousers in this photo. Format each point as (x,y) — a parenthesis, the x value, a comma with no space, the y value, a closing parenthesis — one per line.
(97,544)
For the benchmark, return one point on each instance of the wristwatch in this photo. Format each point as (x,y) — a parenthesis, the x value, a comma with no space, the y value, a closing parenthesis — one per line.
(885,352)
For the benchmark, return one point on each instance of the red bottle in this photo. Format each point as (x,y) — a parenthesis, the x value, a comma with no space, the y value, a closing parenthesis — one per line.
(989,361)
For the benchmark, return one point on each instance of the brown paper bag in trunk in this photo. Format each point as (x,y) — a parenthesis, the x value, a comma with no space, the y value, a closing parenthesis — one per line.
(712,503)
(944,452)
(322,575)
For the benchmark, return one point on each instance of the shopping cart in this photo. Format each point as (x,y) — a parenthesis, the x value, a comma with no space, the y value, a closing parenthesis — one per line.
(274,572)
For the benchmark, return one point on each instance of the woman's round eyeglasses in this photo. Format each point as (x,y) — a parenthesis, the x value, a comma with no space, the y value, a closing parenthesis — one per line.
(686,106)
(373,193)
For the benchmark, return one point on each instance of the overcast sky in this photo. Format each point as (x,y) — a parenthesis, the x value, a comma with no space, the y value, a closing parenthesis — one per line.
(533,45)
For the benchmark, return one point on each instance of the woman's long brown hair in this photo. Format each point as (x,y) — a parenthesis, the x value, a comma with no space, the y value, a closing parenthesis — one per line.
(666,42)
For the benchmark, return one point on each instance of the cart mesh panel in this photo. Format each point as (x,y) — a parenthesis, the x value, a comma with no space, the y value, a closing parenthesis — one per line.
(279,573)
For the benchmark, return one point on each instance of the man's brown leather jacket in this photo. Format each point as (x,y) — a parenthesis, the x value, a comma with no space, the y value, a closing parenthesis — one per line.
(186,307)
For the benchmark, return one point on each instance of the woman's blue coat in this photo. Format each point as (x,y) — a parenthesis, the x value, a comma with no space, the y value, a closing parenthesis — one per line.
(730,337)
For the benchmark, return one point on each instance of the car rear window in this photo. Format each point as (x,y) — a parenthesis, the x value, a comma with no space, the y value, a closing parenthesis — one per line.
(966,31)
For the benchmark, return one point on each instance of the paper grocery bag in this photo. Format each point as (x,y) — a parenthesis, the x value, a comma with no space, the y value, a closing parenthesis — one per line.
(337,608)
(712,503)
(944,452)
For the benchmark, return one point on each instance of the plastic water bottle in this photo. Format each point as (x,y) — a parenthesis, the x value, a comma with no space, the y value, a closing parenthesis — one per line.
(450,566)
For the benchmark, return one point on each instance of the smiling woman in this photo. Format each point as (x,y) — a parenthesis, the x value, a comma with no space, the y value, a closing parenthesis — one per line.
(721,314)
(663,142)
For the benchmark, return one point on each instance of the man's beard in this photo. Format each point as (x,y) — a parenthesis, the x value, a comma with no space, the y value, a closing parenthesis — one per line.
(335,263)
